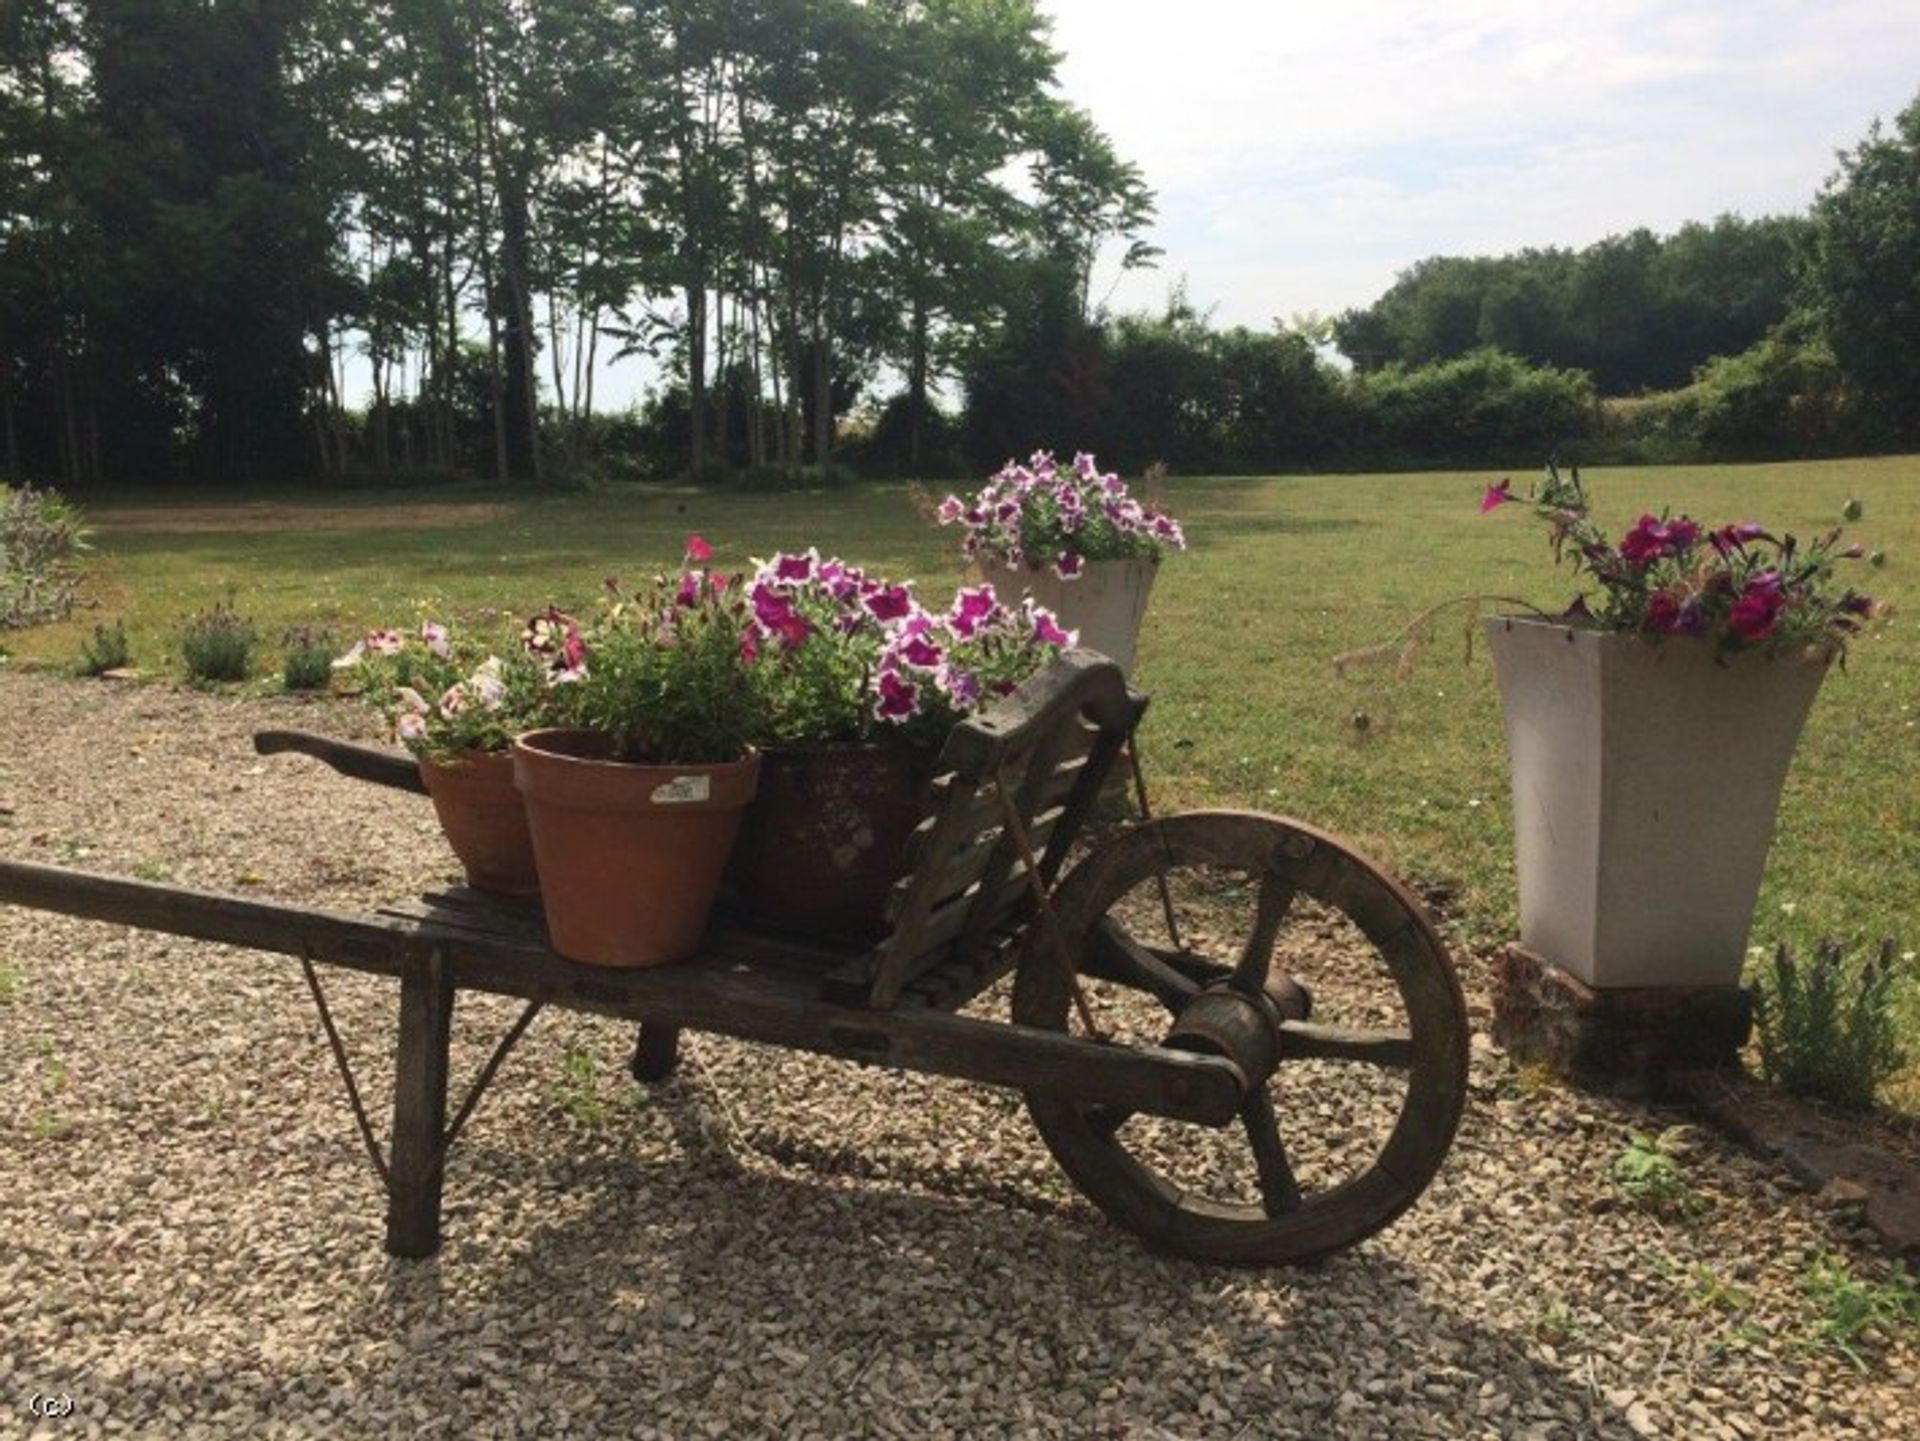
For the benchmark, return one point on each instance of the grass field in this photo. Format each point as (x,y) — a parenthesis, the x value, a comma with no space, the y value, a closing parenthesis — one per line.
(1285,573)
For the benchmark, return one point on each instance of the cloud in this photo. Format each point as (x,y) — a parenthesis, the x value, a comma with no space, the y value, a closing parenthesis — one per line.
(1304,153)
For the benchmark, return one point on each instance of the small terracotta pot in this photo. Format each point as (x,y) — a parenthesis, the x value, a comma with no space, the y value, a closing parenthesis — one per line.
(630,856)
(826,836)
(479,809)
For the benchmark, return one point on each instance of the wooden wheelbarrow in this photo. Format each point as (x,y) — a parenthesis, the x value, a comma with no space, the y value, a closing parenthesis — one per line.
(1140,1044)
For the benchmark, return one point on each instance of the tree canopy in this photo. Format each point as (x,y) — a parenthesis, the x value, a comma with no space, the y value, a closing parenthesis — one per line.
(207,205)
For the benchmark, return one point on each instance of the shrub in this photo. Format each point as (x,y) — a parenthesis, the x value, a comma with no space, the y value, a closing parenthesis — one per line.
(1484,405)
(218,645)
(42,537)
(108,650)
(306,661)
(1826,1033)
(772,477)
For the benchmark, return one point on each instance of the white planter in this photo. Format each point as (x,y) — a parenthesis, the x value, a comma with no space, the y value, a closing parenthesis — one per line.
(1105,603)
(1646,779)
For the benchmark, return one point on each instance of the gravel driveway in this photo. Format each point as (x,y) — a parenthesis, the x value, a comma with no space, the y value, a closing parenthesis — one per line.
(768,1245)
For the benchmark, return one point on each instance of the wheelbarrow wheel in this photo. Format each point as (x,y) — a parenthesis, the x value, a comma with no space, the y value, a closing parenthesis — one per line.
(1367,1070)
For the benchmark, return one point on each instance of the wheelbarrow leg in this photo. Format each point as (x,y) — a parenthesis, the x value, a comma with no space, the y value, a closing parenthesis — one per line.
(419,1108)
(656,1051)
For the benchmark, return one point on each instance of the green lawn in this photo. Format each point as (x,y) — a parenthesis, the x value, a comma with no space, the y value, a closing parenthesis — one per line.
(1285,573)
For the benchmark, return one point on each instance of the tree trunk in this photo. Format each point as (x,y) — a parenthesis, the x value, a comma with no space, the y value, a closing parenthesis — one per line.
(917,389)
(13,435)
(523,393)
(822,398)
(697,374)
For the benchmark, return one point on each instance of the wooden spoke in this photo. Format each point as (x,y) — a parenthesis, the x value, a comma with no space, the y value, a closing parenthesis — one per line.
(1276,899)
(1279,1190)
(1306,1041)
(1384,1000)
(1114,954)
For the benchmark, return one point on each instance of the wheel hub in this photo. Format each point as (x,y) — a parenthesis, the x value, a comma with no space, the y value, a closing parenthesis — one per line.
(1225,1021)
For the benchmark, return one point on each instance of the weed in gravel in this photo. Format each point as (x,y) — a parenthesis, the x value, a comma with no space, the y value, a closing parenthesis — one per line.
(577,1092)
(1530,1081)
(1854,1311)
(9,982)
(1650,1174)
(1558,1325)
(217,644)
(153,868)
(1713,1292)
(109,649)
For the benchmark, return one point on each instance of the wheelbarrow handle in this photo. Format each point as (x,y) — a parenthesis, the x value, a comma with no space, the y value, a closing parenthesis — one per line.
(365,763)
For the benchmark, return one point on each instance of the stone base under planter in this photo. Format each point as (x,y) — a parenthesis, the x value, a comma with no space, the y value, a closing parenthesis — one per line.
(1628,1040)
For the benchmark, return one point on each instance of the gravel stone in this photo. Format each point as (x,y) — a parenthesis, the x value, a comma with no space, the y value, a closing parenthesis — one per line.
(769,1243)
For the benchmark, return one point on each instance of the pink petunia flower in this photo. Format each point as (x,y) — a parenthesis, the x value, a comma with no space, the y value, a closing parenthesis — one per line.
(698,551)
(1068,565)
(1497,496)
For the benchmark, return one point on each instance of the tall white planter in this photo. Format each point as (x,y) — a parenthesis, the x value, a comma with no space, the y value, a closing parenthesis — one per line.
(1106,603)
(1646,780)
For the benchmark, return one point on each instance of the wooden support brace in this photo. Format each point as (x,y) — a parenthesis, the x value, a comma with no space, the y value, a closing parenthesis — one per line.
(416,1168)
(656,1051)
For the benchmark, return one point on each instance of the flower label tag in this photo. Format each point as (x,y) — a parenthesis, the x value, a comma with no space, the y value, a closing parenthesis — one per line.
(683,790)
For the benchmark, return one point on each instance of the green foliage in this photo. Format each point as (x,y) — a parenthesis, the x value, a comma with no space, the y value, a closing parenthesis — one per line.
(42,536)
(1861,267)
(306,659)
(770,477)
(1482,405)
(1854,1312)
(577,1091)
(667,681)
(217,644)
(1635,311)
(1826,1030)
(1649,1173)
(108,649)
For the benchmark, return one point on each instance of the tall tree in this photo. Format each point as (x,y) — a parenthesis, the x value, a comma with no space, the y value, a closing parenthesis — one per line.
(1862,267)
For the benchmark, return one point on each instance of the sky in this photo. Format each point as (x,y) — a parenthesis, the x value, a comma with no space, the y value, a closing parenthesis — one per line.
(1304,152)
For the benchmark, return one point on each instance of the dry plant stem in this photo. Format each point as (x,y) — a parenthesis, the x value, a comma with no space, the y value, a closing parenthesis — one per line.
(1146,814)
(1406,644)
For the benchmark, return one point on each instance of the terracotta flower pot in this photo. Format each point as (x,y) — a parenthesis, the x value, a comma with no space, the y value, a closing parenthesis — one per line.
(479,809)
(1106,603)
(826,836)
(1646,778)
(630,856)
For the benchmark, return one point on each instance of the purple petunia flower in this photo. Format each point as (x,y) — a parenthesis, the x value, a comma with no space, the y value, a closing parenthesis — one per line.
(795,567)
(1046,628)
(1068,565)
(921,653)
(889,602)
(1757,611)
(971,610)
(899,699)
